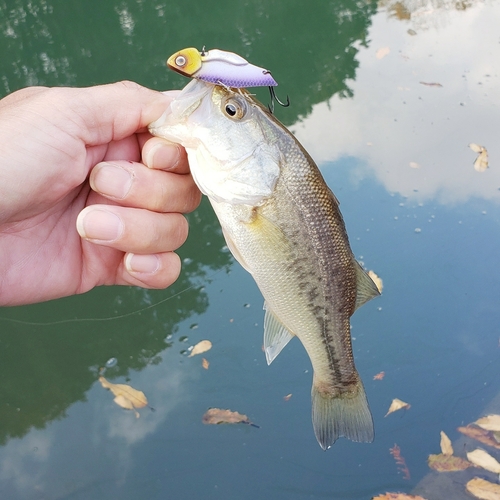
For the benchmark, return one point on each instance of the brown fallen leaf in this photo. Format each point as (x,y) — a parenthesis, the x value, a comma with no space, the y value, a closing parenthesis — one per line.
(205,363)
(446,447)
(483,489)
(396,405)
(216,416)
(447,463)
(490,423)
(379,376)
(395,451)
(481,435)
(126,396)
(397,496)
(483,459)
(200,347)
(431,84)
(376,280)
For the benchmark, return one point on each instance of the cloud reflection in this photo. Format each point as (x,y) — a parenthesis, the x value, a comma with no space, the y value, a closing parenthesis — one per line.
(394,120)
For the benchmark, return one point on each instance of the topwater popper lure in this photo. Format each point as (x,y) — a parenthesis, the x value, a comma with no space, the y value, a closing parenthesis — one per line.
(223,68)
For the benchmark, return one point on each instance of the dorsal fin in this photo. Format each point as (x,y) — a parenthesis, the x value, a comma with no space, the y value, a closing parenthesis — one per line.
(366,289)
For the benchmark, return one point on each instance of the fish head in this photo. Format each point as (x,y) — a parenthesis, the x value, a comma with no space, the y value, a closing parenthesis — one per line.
(230,141)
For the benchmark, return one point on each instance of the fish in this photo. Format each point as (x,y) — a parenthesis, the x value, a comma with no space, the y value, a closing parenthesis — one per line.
(220,67)
(282,223)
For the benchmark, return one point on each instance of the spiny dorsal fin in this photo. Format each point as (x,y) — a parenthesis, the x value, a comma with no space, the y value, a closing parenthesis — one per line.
(276,336)
(366,289)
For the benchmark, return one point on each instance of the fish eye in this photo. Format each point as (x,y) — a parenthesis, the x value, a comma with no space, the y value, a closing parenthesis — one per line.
(234,108)
(180,61)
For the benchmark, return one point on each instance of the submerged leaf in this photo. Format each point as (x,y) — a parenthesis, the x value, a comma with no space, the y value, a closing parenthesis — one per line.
(382,52)
(446,447)
(125,396)
(481,435)
(396,405)
(218,416)
(205,363)
(200,347)
(379,376)
(483,489)
(490,422)
(447,463)
(485,460)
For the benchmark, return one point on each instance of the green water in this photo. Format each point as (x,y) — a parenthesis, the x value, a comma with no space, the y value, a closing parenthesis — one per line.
(393,149)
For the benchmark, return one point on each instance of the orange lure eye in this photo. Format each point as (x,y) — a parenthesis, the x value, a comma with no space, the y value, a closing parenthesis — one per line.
(186,62)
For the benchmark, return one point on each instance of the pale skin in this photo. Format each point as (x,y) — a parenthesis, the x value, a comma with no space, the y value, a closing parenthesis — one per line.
(87,196)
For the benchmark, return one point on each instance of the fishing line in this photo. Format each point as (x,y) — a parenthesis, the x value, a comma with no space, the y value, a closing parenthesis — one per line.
(111,318)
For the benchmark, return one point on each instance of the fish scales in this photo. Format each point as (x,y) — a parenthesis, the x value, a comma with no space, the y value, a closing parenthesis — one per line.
(283,224)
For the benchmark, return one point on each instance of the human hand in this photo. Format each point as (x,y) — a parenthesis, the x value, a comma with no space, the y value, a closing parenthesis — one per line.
(70,159)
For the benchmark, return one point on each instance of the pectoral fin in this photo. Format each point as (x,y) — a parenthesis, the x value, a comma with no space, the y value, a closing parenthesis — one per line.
(366,288)
(276,336)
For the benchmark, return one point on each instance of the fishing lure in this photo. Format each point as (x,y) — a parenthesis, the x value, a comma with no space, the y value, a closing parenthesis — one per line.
(220,67)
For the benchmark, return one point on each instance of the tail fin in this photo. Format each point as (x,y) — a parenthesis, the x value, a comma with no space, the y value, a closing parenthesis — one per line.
(347,415)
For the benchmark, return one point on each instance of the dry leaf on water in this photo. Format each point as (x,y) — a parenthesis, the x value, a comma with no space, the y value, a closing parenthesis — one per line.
(446,447)
(125,396)
(481,435)
(431,84)
(205,363)
(483,489)
(485,460)
(397,496)
(287,397)
(379,376)
(481,162)
(490,423)
(396,405)
(447,463)
(377,280)
(218,416)
(200,347)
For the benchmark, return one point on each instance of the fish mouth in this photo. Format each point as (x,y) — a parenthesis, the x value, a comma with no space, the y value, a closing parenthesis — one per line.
(179,110)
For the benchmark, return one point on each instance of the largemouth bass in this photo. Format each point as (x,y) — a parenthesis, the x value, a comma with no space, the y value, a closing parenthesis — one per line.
(283,225)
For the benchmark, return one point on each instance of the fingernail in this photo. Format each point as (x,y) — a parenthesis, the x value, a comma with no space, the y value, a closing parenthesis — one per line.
(111,180)
(142,263)
(96,224)
(163,156)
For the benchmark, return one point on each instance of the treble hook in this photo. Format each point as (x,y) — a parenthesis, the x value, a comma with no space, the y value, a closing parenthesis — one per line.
(274,97)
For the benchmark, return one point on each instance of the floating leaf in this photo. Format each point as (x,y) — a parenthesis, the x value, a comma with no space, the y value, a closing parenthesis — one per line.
(200,347)
(382,52)
(431,84)
(396,405)
(481,435)
(287,397)
(481,162)
(485,460)
(414,165)
(379,376)
(376,280)
(125,396)
(446,447)
(397,496)
(447,463)
(205,363)
(218,416)
(490,423)
(483,489)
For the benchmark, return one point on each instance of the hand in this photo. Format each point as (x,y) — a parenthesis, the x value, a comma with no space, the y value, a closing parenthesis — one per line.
(78,208)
